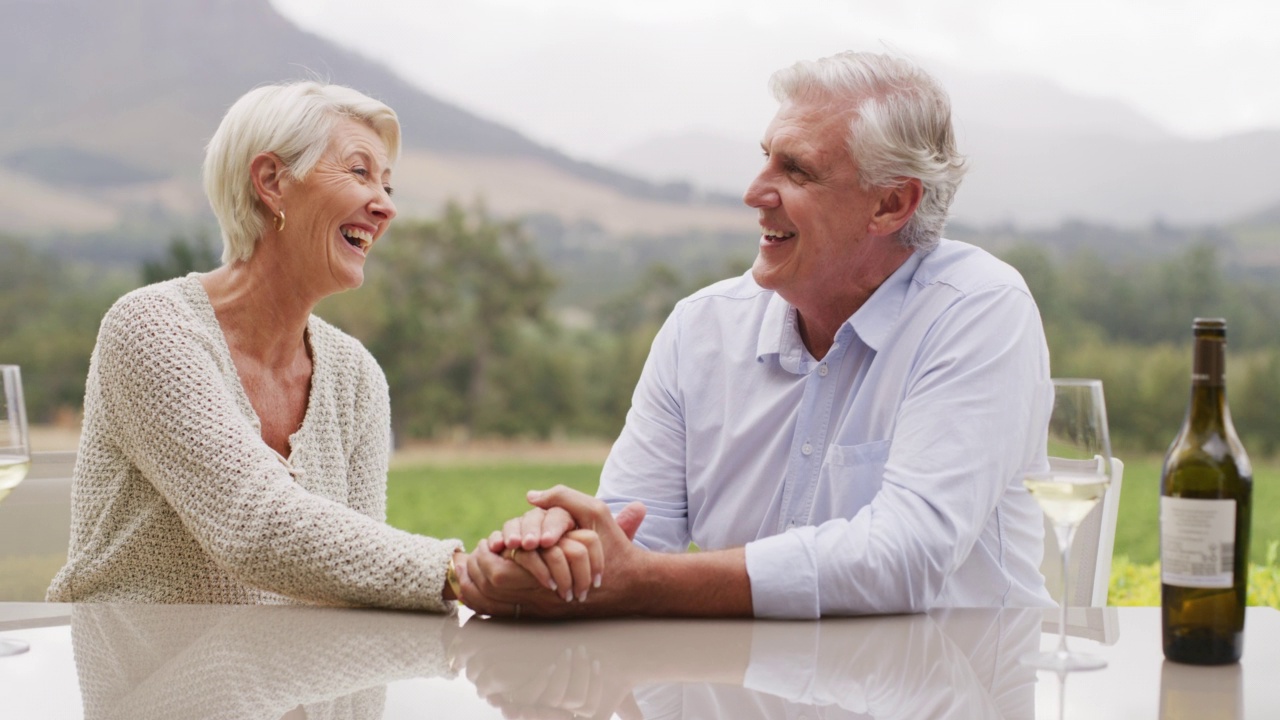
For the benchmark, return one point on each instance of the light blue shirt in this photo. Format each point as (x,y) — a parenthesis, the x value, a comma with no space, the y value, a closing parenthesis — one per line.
(884,478)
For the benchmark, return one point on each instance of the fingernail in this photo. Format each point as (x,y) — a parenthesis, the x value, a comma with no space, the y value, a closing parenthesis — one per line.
(583,597)
(534,495)
(551,584)
(531,538)
(595,581)
(568,595)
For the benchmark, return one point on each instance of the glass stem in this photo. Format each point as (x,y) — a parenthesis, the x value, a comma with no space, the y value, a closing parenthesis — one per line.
(1065,533)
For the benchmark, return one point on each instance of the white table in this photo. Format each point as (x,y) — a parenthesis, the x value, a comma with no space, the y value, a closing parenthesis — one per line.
(140,662)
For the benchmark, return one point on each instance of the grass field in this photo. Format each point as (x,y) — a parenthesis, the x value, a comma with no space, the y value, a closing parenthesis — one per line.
(1137,529)
(469,500)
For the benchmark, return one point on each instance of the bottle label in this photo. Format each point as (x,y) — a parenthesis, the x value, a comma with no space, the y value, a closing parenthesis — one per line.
(1197,542)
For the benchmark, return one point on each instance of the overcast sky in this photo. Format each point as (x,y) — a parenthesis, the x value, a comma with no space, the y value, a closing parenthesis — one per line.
(592,77)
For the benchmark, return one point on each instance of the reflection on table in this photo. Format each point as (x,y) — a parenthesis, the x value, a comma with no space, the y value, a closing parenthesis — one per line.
(957,664)
(274,663)
(138,662)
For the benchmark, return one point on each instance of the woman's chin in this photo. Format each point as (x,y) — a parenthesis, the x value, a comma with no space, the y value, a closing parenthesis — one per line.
(353,280)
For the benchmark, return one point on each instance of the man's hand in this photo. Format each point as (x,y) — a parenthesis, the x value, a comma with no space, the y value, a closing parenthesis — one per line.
(499,585)
(537,528)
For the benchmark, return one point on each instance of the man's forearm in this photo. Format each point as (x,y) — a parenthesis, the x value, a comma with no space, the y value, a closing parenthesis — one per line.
(693,584)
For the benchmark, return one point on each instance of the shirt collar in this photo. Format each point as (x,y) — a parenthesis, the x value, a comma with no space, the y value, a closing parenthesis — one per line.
(780,334)
(873,322)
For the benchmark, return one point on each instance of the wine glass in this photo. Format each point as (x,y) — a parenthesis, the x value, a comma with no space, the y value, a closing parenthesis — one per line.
(1078,475)
(15,455)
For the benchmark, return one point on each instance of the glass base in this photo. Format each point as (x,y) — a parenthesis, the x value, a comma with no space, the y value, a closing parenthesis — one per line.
(13,647)
(1061,661)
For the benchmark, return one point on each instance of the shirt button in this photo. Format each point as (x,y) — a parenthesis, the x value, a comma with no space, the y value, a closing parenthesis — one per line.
(822,370)
(807,449)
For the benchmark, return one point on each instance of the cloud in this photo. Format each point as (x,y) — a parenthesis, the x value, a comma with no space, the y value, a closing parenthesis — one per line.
(593,76)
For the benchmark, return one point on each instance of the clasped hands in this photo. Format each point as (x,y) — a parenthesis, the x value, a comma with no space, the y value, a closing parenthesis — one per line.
(551,561)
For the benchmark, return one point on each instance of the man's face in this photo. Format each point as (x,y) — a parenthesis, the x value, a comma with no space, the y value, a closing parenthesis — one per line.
(814,214)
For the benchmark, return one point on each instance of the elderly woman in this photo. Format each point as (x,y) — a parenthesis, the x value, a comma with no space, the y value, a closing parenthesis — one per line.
(235,446)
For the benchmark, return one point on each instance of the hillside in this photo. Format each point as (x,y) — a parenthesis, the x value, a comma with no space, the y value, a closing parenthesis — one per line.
(1040,155)
(119,97)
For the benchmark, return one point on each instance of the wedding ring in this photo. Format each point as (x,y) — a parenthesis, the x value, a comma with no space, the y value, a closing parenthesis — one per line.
(510,553)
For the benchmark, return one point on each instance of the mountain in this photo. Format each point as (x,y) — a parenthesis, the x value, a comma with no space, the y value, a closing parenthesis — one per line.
(1039,155)
(112,102)
(701,157)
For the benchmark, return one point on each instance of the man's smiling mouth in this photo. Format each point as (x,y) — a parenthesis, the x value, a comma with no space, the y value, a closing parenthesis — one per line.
(775,236)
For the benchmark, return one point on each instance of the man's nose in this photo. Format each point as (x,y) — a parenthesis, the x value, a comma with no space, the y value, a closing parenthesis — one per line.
(760,193)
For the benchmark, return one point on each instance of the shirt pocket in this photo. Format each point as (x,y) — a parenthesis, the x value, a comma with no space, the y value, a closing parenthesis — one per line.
(851,477)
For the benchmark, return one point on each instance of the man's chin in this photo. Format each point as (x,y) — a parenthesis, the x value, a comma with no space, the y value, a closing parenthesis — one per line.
(763,274)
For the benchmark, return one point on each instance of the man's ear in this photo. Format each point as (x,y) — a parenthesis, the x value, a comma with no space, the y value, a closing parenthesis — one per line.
(267,172)
(897,205)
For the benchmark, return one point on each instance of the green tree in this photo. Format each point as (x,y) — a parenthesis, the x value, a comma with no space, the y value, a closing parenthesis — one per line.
(49,315)
(452,305)
(181,257)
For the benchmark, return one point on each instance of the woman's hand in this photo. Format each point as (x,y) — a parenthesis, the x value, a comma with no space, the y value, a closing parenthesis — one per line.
(511,582)
(570,568)
(534,541)
(565,571)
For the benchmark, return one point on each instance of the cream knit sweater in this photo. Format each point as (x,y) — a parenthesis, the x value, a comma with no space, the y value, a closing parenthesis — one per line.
(177,499)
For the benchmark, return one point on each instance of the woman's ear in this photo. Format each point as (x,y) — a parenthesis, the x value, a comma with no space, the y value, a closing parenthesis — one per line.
(268,172)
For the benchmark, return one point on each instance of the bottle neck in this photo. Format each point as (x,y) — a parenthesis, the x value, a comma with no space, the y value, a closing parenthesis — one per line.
(1209,367)
(1208,408)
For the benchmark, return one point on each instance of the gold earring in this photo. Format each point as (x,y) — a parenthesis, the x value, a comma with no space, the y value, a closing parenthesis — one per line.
(279,219)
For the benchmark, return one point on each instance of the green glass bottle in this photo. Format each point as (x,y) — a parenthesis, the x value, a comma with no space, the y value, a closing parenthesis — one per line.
(1206,491)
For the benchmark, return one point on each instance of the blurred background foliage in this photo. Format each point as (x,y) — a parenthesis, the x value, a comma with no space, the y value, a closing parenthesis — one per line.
(486,329)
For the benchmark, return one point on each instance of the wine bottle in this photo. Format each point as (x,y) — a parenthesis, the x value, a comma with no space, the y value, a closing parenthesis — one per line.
(1206,490)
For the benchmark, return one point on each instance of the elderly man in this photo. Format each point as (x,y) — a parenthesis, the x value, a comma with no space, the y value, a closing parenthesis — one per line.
(844,429)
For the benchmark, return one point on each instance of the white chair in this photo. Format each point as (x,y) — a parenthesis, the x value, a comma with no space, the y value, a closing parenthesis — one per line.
(1091,547)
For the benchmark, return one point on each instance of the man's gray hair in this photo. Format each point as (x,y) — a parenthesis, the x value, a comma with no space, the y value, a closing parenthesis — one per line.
(901,128)
(293,121)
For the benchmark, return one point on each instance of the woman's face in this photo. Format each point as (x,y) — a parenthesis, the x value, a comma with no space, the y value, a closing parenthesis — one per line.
(335,215)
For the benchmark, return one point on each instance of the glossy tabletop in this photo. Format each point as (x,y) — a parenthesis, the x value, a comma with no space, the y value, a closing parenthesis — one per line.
(237,662)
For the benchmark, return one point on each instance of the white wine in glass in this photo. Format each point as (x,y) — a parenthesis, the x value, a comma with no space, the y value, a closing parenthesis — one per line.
(1079,471)
(15,455)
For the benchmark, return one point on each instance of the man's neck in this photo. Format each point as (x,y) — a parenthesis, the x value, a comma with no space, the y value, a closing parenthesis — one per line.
(820,318)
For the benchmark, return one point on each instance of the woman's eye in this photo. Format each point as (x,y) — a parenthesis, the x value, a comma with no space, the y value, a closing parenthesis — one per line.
(390,190)
(361,172)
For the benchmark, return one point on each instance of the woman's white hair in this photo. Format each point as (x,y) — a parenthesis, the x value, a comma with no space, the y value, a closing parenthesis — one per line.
(901,128)
(292,120)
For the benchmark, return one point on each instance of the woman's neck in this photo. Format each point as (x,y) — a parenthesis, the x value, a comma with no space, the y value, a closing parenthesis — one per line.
(260,311)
